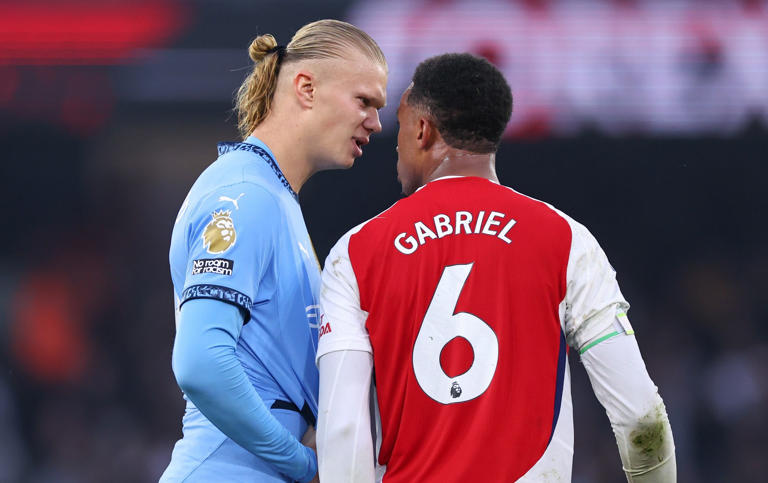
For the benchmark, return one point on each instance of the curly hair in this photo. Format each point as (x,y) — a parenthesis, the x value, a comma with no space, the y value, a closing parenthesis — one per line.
(467,98)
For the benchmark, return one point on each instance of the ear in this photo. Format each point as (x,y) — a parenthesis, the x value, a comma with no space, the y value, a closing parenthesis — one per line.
(426,134)
(304,88)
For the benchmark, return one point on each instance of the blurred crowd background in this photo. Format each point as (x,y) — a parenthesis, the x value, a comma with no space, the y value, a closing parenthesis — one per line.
(646,120)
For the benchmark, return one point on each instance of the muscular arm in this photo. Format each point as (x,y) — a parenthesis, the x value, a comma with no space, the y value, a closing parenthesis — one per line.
(344,442)
(636,411)
(211,376)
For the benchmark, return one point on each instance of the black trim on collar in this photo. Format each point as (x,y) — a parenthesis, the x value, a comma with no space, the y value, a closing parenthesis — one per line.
(264,154)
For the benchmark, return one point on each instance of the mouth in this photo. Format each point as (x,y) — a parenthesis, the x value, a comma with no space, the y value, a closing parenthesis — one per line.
(359,142)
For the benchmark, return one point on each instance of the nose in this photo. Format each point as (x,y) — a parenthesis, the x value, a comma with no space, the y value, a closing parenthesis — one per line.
(372,122)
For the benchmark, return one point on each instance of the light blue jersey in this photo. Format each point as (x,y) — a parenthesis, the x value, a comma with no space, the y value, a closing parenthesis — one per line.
(240,238)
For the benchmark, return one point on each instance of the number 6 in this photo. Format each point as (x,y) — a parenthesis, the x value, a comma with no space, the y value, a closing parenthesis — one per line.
(440,326)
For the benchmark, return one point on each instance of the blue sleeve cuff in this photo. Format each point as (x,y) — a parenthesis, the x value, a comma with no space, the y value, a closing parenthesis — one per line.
(312,469)
(218,292)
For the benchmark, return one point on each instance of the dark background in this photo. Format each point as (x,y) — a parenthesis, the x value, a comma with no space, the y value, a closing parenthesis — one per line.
(99,147)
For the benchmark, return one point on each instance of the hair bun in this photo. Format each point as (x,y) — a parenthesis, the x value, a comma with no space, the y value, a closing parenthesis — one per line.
(261,46)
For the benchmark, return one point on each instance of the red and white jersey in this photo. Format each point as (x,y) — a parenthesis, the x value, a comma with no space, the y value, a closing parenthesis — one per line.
(468,294)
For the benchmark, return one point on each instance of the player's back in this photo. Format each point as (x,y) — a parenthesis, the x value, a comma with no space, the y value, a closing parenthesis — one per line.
(463,282)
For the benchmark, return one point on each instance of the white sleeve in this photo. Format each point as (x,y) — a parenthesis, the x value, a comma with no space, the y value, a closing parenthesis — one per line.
(344,440)
(636,411)
(342,321)
(593,302)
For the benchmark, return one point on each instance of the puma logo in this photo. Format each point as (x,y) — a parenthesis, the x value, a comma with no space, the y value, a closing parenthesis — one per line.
(233,201)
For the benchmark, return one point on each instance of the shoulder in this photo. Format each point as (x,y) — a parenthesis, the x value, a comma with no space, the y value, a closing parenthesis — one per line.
(244,196)
(581,237)
(253,163)
(544,210)
(241,210)
(240,168)
(586,256)
(537,206)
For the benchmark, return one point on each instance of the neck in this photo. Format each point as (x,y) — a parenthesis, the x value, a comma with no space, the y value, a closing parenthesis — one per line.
(288,151)
(456,162)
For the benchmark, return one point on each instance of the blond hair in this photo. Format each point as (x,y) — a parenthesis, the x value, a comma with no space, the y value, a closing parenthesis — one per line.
(323,39)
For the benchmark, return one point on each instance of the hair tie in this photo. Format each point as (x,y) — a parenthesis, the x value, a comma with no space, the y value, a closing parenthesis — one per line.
(280,50)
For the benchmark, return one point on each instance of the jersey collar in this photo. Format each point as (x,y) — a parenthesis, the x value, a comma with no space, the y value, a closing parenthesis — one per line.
(257,147)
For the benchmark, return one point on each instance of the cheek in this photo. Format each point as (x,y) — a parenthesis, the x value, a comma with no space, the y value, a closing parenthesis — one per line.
(348,111)
(360,117)
(344,120)
(405,169)
(402,141)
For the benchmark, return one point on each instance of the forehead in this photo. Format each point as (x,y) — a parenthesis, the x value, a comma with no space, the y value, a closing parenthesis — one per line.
(359,73)
(404,99)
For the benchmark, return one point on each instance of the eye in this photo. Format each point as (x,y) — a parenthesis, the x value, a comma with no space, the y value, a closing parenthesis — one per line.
(365,101)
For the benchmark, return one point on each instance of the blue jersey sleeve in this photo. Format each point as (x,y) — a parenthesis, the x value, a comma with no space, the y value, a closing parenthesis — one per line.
(209,373)
(231,239)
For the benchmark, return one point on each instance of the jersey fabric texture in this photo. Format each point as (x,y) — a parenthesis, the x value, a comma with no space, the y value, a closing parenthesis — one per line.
(467,294)
(240,238)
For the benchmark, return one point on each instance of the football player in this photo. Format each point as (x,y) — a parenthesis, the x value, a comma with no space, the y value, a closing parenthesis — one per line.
(244,272)
(460,303)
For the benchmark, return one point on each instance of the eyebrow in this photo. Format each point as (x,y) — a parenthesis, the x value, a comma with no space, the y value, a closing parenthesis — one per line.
(378,101)
(376,97)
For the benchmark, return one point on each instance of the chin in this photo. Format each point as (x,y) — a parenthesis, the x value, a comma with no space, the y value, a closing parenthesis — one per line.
(338,163)
(347,163)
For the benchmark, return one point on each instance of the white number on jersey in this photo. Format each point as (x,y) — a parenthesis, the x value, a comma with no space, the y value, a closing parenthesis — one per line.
(439,327)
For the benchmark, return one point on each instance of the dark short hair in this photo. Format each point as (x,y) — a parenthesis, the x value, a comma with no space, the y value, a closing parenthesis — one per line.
(467,97)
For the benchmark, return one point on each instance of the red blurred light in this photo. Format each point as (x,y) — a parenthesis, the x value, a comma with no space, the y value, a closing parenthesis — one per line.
(47,336)
(85,33)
